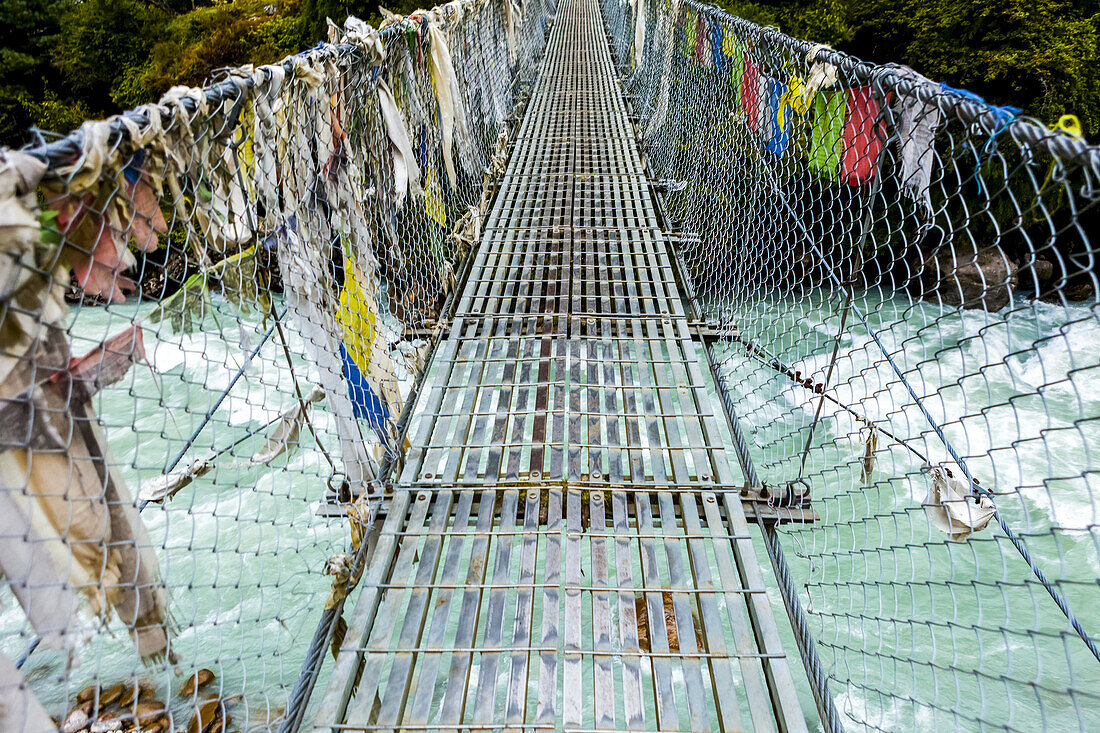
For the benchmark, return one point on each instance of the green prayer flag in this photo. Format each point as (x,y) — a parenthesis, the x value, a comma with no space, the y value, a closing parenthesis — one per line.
(737,66)
(827,135)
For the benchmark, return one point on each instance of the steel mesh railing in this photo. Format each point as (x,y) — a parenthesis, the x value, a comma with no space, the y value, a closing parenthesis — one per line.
(214,311)
(904,281)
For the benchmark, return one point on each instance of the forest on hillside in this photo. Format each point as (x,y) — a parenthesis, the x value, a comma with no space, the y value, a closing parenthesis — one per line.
(64,61)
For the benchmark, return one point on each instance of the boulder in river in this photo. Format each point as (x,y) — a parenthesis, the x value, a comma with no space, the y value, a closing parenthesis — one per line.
(964,277)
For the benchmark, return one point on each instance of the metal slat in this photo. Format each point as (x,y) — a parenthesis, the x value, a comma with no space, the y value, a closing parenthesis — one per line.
(365,707)
(423,695)
(776,669)
(651,415)
(516,704)
(667,714)
(573,689)
(416,611)
(491,648)
(454,699)
(625,551)
(604,682)
(715,629)
(698,708)
(612,394)
(350,659)
(547,710)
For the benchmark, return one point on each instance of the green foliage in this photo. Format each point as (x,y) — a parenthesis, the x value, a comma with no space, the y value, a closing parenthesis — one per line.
(758,13)
(62,61)
(192,45)
(98,37)
(809,19)
(1042,55)
(68,60)
(30,28)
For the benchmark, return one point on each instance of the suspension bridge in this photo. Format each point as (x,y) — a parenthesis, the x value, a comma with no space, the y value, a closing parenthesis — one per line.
(629,366)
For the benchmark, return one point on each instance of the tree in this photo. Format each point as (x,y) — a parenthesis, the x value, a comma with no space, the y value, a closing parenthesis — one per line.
(1041,55)
(98,41)
(30,29)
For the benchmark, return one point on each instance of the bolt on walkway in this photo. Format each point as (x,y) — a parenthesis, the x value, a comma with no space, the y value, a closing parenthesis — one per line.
(566,547)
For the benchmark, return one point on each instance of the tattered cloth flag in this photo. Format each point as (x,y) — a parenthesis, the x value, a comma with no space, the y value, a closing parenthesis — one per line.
(717,41)
(285,436)
(952,507)
(106,364)
(639,32)
(701,40)
(452,114)
(367,370)
(689,32)
(823,75)
(870,448)
(917,127)
(406,172)
(669,18)
(305,277)
(20,710)
(97,253)
(147,222)
(731,47)
(160,488)
(794,99)
(774,129)
(67,522)
(510,21)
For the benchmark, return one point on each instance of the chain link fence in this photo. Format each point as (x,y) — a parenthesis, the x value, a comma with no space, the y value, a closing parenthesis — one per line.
(214,312)
(904,279)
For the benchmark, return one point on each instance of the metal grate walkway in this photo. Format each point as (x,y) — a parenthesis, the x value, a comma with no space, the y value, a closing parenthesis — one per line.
(566,547)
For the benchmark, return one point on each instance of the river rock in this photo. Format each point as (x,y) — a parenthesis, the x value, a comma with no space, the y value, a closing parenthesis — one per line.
(210,716)
(196,682)
(1044,270)
(148,712)
(1080,289)
(143,689)
(983,279)
(112,694)
(76,721)
(87,693)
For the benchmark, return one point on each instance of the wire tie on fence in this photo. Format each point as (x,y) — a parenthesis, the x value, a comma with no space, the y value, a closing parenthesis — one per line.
(341,567)
(1070,125)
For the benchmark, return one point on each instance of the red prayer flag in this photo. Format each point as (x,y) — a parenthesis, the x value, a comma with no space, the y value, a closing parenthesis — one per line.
(750,93)
(864,133)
